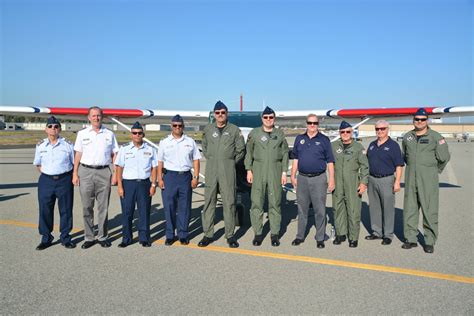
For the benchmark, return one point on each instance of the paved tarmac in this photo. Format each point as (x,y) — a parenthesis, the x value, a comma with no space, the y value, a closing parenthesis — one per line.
(371,279)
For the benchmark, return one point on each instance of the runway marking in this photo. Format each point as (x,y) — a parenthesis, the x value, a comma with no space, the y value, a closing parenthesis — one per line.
(273,255)
(338,263)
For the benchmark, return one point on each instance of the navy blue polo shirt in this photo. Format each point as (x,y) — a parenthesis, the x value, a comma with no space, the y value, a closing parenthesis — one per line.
(384,159)
(312,153)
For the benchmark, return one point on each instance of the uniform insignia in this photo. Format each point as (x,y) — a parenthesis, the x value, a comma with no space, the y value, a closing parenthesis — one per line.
(215,134)
(424,141)
(302,141)
(40,142)
(147,153)
(264,138)
(43,151)
(85,139)
(442,141)
(317,143)
(410,138)
(339,150)
(225,133)
(371,147)
(386,148)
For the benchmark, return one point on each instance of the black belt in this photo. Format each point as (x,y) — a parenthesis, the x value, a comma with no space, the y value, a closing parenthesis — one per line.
(312,175)
(136,180)
(58,176)
(94,167)
(381,175)
(175,172)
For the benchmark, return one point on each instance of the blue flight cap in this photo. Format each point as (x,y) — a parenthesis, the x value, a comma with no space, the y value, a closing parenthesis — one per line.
(177,118)
(137,125)
(219,106)
(421,112)
(53,120)
(268,110)
(344,125)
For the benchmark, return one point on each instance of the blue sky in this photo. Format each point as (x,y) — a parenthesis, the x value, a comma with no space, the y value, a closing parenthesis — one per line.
(188,54)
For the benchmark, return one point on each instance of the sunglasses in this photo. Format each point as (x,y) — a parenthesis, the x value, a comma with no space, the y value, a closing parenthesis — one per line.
(137,133)
(220,112)
(268,117)
(312,123)
(55,126)
(419,119)
(380,129)
(345,132)
(177,125)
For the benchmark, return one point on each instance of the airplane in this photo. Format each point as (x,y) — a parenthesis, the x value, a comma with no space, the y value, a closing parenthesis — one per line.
(245,120)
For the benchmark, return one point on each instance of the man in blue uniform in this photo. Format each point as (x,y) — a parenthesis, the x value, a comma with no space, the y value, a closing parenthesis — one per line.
(312,156)
(177,154)
(54,158)
(385,159)
(135,165)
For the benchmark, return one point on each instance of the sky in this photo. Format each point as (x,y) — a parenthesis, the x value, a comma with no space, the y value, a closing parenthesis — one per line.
(291,55)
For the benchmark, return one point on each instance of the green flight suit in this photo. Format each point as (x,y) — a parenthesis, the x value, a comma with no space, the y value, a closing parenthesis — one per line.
(425,157)
(351,168)
(222,149)
(267,158)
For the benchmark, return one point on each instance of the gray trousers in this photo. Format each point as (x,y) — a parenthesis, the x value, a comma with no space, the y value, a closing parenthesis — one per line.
(95,185)
(312,190)
(382,206)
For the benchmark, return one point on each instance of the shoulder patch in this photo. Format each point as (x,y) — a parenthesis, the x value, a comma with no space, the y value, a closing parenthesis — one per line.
(441,141)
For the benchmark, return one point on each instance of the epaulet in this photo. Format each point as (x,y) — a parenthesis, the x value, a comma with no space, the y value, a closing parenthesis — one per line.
(40,142)
(67,140)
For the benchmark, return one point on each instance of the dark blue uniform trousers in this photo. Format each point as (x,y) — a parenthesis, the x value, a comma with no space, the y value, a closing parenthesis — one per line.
(136,192)
(176,198)
(51,188)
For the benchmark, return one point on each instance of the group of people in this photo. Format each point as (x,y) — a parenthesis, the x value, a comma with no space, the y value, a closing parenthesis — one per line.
(343,168)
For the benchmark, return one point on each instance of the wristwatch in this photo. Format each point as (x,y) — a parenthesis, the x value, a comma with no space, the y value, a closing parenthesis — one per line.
(153,184)
(196,177)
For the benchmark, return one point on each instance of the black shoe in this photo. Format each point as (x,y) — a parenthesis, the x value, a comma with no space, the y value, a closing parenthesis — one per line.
(205,241)
(275,240)
(146,244)
(297,242)
(87,244)
(409,245)
(184,241)
(428,248)
(105,243)
(320,244)
(339,239)
(169,241)
(232,243)
(69,245)
(123,245)
(353,243)
(43,245)
(372,237)
(257,240)
(386,241)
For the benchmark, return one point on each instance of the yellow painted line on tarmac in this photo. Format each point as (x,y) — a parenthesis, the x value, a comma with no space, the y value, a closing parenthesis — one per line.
(273,255)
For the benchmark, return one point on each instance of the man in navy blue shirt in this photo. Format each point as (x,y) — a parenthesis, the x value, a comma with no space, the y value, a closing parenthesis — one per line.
(312,156)
(385,159)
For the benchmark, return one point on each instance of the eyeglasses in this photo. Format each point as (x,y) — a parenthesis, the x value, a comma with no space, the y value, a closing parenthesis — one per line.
(345,132)
(55,126)
(268,117)
(312,123)
(416,119)
(220,112)
(177,125)
(380,129)
(137,133)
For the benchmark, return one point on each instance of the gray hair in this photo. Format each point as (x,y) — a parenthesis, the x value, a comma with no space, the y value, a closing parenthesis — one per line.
(312,115)
(382,122)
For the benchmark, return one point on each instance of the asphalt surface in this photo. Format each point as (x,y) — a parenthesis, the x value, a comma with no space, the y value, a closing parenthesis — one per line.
(372,278)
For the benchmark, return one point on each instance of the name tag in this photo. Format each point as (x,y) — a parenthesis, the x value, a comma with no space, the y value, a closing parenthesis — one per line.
(424,141)
(147,153)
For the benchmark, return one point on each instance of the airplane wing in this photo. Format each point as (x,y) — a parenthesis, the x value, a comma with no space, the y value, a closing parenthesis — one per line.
(241,119)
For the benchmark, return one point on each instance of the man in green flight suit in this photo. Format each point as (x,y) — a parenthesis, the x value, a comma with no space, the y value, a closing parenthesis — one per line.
(352,172)
(223,146)
(426,154)
(266,163)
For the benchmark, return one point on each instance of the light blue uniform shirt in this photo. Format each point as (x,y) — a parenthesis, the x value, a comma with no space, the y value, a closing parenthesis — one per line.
(178,154)
(136,161)
(54,159)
